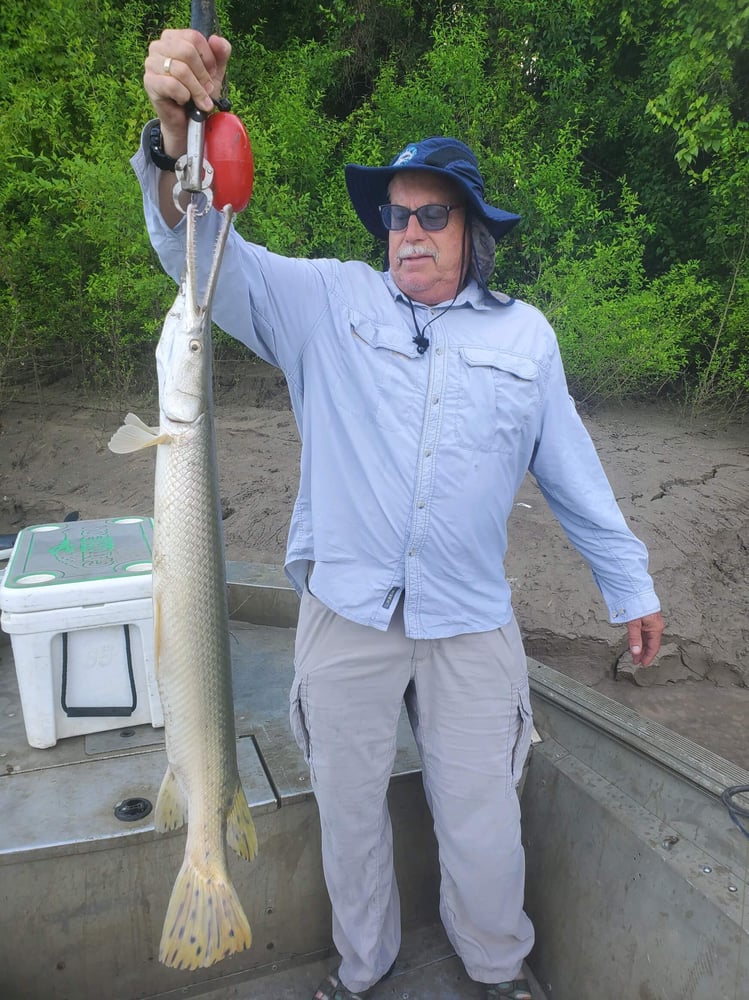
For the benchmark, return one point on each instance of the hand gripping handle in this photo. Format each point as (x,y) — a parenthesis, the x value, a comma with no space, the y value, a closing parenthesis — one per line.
(191,171)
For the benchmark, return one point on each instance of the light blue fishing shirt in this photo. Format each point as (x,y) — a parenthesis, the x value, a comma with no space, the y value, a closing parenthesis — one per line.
(410,463)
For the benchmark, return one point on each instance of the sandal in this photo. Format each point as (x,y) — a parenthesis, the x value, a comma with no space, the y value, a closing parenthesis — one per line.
(331,988)
(515,989)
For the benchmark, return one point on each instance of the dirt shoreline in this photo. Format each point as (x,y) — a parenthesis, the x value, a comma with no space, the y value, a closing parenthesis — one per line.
(683,486)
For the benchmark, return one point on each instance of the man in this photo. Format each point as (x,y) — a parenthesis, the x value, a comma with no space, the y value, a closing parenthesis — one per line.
(422,399)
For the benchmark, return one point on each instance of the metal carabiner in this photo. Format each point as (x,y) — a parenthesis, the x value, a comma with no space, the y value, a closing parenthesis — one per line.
(194,172)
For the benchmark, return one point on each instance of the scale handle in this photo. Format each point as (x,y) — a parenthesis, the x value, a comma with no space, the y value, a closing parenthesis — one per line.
(202,19)
(203,16)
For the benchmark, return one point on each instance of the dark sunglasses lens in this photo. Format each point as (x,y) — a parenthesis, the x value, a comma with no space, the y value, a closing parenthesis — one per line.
(432,217)
(394,216)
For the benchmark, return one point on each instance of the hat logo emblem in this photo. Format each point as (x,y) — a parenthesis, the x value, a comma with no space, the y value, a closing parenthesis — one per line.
(408,154)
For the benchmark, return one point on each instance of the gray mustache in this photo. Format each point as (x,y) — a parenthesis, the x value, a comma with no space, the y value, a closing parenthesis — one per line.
(416,251)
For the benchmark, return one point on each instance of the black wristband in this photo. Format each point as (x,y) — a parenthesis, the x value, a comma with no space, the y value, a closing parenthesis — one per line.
(156,149)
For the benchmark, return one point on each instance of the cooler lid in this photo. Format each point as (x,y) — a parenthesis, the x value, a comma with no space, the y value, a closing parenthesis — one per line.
(79,563)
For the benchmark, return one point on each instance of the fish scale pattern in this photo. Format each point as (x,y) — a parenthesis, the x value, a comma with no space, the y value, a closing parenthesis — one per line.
(205,920)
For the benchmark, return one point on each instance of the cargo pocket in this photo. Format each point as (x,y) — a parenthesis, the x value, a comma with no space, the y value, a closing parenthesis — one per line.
(297,719)
(520,745)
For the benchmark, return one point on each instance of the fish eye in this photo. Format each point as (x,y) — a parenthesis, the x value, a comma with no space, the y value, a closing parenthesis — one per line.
(195,346)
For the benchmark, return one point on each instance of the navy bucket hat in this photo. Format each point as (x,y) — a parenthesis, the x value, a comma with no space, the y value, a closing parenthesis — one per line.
(450,158)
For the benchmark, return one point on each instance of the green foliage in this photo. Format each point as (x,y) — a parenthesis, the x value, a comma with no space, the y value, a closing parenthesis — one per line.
(618,132)
(76,274)
(293,140)
(620,333)
(700,95)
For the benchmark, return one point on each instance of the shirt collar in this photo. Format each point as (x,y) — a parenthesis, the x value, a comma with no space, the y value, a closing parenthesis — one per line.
(471,295)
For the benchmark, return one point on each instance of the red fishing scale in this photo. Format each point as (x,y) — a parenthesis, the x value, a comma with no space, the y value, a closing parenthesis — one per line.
(228,150)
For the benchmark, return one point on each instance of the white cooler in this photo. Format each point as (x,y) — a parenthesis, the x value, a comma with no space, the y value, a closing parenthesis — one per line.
(76,602)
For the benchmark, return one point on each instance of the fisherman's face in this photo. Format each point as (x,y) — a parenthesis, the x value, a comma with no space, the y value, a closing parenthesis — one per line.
(428,266)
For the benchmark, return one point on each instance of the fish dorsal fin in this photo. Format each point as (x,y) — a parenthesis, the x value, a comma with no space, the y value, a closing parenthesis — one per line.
(135,435)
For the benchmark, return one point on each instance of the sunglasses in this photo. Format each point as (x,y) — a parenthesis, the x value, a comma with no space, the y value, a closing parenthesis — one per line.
(432,218)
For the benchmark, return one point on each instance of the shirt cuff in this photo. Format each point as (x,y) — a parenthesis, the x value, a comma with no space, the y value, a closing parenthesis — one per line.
(633,606)
(149,178)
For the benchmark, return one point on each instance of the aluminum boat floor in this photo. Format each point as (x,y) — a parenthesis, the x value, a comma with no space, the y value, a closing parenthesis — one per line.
(427,969)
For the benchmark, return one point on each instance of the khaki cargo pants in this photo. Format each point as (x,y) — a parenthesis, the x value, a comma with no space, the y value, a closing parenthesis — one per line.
(469,707)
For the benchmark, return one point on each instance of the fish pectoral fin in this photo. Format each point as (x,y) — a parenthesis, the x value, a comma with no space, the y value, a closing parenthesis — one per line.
(134,435)
(133,420)
(204,922)
(171,806)
(240,829)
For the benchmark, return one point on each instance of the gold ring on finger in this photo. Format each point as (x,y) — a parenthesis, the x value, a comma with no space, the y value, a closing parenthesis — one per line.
(167,65)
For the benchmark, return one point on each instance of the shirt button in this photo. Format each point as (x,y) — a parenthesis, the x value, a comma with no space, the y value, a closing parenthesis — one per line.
(412,552)
(435,400)
(428,452)
(439,350)
(420,504)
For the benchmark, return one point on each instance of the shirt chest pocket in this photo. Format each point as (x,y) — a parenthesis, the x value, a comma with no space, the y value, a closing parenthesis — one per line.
(496,395)
(375,377)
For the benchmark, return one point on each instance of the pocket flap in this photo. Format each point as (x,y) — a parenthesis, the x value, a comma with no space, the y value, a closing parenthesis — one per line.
(490,357)
(383,335)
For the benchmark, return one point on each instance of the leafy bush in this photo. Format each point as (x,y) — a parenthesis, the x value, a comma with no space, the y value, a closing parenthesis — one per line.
(618,135)
(76,273)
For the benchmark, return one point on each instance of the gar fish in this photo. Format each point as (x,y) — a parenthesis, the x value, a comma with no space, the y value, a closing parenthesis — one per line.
(205,921)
